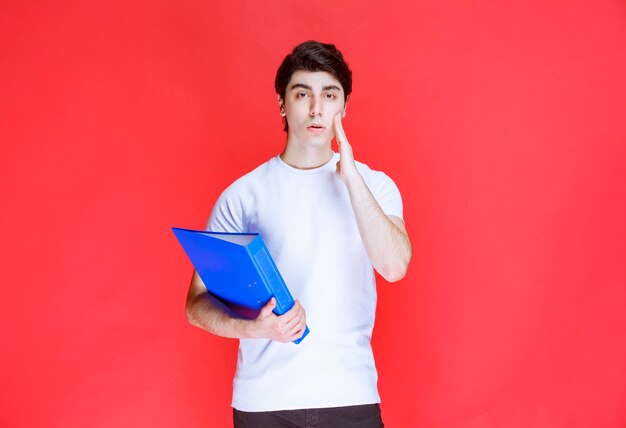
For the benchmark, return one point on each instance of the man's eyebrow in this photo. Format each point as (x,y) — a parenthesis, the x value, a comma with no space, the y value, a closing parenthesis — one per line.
(300,85)
(309,88)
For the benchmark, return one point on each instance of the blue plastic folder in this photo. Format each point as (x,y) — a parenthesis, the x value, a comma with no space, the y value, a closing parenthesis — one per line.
(237,268)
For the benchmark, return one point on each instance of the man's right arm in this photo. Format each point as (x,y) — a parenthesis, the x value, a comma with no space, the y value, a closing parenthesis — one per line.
(210,314)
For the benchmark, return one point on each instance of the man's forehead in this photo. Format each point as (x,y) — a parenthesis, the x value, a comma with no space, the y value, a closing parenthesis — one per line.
(314,80)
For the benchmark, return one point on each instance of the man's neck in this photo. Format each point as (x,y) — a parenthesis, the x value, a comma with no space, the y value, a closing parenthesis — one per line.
(306,157)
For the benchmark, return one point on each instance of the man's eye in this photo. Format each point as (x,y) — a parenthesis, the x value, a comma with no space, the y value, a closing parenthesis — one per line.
(331,96)
(302,95)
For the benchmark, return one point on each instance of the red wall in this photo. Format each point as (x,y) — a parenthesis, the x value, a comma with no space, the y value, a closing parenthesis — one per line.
(503,123)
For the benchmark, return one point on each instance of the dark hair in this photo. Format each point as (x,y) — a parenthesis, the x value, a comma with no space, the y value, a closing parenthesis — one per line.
(313,56)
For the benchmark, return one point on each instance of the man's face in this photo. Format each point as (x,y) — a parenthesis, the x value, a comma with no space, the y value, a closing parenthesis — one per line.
(312,99)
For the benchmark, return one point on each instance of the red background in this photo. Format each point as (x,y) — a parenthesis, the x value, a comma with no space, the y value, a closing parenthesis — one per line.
(503,124)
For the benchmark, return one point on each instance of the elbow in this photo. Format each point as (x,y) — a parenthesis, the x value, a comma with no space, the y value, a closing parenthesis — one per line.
(191,314)
(190,317)
(201,314)
(394,272)
(394,276)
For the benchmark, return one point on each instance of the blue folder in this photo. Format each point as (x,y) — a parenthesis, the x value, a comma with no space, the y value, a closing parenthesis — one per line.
(238,269)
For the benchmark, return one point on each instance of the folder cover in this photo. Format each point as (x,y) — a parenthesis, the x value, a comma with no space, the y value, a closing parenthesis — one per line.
(237,268)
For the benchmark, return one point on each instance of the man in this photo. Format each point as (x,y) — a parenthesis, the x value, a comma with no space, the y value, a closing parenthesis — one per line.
(327,220)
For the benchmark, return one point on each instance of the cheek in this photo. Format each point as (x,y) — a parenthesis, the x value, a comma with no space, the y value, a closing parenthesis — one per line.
(296,113)
(336,108)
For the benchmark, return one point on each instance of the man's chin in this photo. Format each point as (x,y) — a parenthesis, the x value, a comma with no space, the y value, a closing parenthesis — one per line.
(319,143)
(316,140)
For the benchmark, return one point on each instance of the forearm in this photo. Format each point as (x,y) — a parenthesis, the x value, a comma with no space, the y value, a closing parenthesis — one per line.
(386,241)
(387,244)
(208,313)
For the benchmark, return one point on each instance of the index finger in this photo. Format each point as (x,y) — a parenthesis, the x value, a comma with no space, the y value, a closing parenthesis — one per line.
(339,132)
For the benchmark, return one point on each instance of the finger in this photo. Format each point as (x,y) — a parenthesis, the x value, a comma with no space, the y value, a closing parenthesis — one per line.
(292,314)
(339,132)
(285,332)
(291,323)
(298,328)
(337,121)
(296,332)
(294,309)
(340,135)
(268,308)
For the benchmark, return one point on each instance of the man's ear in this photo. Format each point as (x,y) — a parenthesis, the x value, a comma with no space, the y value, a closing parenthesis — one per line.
(281,105)
(345,106)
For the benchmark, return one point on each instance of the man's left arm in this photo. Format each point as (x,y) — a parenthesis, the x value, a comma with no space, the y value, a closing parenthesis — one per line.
(385,238)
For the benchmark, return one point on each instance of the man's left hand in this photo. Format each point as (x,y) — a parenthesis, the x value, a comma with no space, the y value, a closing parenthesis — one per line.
(346,166)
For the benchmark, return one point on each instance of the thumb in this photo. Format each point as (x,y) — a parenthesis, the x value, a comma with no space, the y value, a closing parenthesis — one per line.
(268,308)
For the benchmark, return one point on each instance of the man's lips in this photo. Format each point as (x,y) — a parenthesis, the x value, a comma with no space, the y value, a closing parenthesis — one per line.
(317,128)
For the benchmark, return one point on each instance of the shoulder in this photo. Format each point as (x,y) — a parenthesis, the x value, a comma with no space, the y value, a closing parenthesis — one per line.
(372,177)
(249,181)
(383,189)
(230,212)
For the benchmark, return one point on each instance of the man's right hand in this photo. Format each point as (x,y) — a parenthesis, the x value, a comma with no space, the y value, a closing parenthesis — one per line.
(284,328)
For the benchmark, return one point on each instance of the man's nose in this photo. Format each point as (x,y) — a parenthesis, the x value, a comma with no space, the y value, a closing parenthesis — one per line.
(316,107)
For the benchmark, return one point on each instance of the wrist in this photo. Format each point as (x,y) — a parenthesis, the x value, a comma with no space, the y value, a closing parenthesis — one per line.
(353,178)
(236,326)
(247,328)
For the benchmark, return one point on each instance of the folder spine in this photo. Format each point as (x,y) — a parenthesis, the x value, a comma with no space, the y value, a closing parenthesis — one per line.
(272,278)
(274,282)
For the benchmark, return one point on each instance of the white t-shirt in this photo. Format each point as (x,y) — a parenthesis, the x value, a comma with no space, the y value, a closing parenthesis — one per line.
(306,220)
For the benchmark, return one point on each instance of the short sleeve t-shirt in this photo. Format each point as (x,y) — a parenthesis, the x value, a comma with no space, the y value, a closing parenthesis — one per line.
(306,220)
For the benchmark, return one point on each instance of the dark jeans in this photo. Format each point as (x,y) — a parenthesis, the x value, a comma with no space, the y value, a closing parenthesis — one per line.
(365,416)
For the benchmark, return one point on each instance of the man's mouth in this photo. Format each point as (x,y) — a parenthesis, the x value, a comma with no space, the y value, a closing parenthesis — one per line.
(316,127)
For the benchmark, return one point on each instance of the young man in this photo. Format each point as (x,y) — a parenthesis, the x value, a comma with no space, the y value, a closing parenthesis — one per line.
(328,221)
